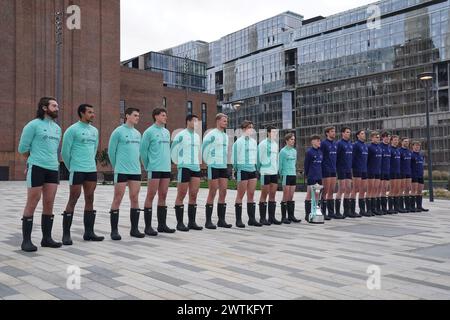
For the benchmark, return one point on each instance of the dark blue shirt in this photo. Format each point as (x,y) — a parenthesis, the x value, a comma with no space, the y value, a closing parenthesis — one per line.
(395,160)
(374,159)
(386,162)
(344,156)
(329,151)
(405,161)
(360,154)
(417,165)
(313,163)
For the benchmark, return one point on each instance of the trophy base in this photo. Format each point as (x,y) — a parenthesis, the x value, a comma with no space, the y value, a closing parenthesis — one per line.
(317,220)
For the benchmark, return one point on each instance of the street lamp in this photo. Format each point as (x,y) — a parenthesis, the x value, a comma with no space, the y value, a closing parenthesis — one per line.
(426,78)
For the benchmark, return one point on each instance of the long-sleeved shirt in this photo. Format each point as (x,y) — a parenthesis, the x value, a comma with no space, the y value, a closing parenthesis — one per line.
(329,151)
(374,159)
(360,155)
(267,161)
(41,139)
(395,160)
(215,149)
(313,163)
(405,161)
(288,161)
(123,150)
(155,149)
(186,150)
(244,154)
(417,161)
(344,159)
(79,147)
(386,160)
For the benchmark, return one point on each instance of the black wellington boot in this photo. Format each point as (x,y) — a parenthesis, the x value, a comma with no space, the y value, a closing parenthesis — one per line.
(353,208)
(251,208)
(375,208)
(412,203)
(384,205)
(338,214)
(379,208)
(208,212)
(47,226)
(323,207)
(401,205)
(179,213)
(114,219)
(192,213)
(263,213)
(291,212)
(148,213)
(362,208)
(67,224)
(347,209)
(419,201)
(272,209)
(89,222)
(307,210)
(134,219)
(27,227)
(284,218)
(162,220)
(221,212)
(238,213)
(391,205)
(330,207)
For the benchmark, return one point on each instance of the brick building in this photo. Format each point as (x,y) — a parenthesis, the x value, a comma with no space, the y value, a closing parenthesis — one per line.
(89,69)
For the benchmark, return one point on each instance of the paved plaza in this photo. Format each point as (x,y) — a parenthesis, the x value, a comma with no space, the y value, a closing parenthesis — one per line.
(301,261)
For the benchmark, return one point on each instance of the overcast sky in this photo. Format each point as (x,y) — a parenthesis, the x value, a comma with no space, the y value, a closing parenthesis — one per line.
(151,25)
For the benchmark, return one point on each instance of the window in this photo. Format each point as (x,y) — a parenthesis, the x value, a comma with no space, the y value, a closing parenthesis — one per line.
(189,108)
(164,102)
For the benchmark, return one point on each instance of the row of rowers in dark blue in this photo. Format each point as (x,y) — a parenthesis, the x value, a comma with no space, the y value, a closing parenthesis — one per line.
(377,170)
(368,161)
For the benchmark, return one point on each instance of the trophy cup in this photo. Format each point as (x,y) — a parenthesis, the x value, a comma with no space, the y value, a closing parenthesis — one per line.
(316,216)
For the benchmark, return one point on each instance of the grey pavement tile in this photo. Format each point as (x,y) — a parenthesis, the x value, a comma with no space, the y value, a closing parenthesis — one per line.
(278,266)
(419,282)
(167,279)
(7,291)
(302,254)
(442,273)
(14,272)
(439,251)
(103,271)
(104,280)
(64,294)
(383,231)
(248,249)
(316,280)
(186,266)
(361,260)
(126,255)
(417,258)
(76,251)
(235,286)
(344,273)
(250,273)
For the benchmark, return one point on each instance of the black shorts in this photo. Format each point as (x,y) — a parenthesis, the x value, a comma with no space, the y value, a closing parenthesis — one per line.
(245,175)
(313,181)
(358,174)
(121,178)
(185,175)
(78,178)
(156,175)
(418,180)
(289,180)
(37,176)
(405,176)
(328,175)
(268,179)
(385,177)
(395,176)
(344,175)
(374,176)
(214,174)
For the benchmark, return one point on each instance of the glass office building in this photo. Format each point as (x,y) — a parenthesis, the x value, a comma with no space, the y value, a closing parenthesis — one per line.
(178,72)
(345,69)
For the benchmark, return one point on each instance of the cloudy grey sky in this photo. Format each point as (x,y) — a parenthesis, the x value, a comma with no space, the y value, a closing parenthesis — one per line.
(153,25)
